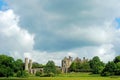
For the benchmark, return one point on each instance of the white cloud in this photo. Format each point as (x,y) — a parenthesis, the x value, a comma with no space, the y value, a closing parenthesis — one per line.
(89,25)
(13,39)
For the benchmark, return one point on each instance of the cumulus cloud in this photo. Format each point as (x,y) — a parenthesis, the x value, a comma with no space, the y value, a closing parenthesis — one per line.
(61,23)
(13,39)
(66,27)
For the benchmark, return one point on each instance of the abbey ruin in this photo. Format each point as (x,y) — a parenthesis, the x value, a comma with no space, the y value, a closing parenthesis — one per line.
(28,67)
(65,64)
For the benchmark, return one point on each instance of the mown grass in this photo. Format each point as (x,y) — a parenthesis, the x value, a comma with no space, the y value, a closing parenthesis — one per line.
(70,76)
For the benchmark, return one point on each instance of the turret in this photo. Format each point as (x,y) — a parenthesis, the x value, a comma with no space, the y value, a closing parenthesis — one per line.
(26,64)
(30,64)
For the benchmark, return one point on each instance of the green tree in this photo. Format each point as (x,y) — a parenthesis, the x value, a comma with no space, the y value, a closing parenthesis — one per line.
(85,67)
(73,66)
(78,66)
(18,65)
(6,66)
(96,65)
(117,72)
(37,65)
(50,68)
(117,59)
(109,69)
(39,73)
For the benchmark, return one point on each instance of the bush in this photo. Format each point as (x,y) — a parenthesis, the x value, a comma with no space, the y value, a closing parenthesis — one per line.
(51,74)
(22,74)
(25,74)
(105,74)
(19,74)
(39,73)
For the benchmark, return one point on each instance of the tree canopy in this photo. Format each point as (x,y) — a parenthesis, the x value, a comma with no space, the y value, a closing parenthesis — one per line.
(96,65)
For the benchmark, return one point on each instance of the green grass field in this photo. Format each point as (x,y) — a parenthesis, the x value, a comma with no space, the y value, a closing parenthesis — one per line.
(70,76)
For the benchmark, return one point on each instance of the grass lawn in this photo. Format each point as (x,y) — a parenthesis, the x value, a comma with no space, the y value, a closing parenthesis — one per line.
(70,76)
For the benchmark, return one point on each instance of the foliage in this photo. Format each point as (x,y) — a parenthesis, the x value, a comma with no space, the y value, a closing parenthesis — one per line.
(117,59)
(109,69)
(113,67)
(22,74)
(73,66)
(96,65)
(39,73)
(117,71)
(37,65)
(6,66)
(80,67)
(85,67)
(58,70)
(50,68)
(50,74)
(18,65)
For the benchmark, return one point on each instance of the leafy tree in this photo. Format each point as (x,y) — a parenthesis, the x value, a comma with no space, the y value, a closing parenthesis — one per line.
(58,71)
(22,74)
(6,66)
(50,68)
(73,66)
(96,65)
(117,72)
(109,69)
(117,59)
(37,65)
(85,67)
(39,73)
(18,65)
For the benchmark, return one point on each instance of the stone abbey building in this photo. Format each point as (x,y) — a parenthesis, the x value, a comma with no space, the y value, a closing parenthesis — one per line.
(65,64)
(28,67)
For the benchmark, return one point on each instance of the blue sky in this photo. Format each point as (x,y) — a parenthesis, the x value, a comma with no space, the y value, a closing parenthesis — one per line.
(61,28)
(118,21)
(3,5)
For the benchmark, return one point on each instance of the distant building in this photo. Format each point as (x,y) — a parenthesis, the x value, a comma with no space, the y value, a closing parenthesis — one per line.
(80,60)
(66,62)
(28,67)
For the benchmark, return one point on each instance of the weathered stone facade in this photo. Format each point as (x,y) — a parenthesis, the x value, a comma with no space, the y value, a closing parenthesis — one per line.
(26,64)
(28,67)
(34,70)
(66,62)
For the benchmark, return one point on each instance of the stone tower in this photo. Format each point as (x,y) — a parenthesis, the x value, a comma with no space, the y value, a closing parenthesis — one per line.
(66,62)
(26,64)
(30,64)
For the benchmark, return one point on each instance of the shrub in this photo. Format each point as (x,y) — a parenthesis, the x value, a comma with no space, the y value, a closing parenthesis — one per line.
(51,74)
(39,73)
(22,74)
(105,74)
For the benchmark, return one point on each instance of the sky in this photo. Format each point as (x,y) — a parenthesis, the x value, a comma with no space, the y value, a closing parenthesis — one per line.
(45,30)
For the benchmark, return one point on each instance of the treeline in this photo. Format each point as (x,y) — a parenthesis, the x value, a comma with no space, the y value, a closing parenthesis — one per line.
(15,68)
(96,66)
(49,70)
(10,67)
